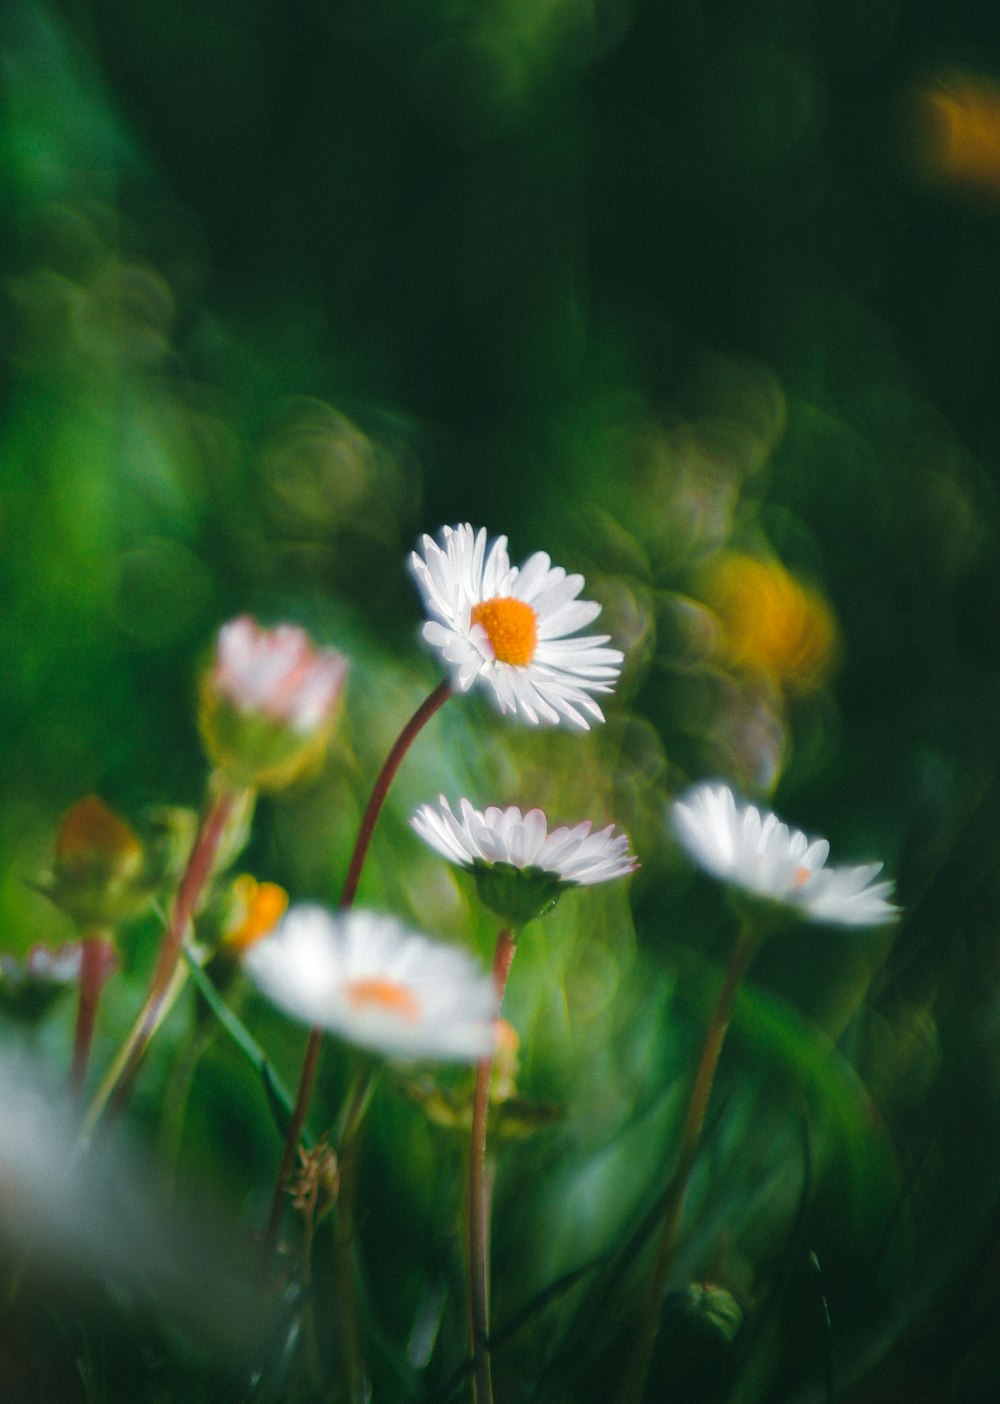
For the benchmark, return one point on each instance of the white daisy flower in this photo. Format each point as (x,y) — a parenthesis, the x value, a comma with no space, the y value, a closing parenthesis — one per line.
(509,627)
(371,980)
(751,849)
(520,868)
(576,856)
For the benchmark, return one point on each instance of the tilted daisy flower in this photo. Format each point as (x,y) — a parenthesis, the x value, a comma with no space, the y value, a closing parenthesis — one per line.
(520,867)
(753,850)
(378,984)
(509,627)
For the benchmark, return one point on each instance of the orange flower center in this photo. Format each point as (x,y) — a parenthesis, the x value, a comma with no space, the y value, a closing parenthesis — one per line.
(511,627)
(802,876)
(385,995)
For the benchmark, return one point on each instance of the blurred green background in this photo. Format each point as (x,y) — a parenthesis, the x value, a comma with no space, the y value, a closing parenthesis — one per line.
(656,286)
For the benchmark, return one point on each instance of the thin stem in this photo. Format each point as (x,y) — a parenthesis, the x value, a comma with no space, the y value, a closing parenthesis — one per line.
(175,1099)
(352,1355)
(196,875)
(479,1217)
(307,1077)
(125,1053)
(694,1121)
(380,789)
(96,964)
(312,1343)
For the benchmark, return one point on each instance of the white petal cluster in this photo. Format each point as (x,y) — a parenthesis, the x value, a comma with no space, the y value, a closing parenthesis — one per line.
(753,850)
(378,984)
(574,855)
(277,672)
(556,683)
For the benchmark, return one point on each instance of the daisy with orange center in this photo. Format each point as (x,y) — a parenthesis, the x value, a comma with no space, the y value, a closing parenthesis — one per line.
(377,984)
(512,628)
(755,852)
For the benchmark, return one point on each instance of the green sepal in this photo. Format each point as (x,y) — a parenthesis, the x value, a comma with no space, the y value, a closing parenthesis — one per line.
(517,895)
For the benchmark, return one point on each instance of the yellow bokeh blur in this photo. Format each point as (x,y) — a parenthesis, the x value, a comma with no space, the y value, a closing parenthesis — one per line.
(957,126)
(769,622)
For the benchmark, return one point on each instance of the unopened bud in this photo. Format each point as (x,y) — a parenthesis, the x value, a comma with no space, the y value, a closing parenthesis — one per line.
(99,875)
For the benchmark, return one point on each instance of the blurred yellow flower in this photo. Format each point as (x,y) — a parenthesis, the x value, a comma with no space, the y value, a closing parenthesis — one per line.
(958,129)
(769,622)
(259,906)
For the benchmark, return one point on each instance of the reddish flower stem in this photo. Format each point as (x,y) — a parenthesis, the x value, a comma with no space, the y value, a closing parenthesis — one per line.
(479,1215)
(694,1122)
(310,1062)
(192,884)
(96,964)
(380,789)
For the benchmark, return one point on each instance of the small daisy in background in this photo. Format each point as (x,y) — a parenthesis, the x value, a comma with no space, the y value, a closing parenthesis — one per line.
(509,627)
(31,983)
(377,984)
(754,851)
(269,700)
(520,867)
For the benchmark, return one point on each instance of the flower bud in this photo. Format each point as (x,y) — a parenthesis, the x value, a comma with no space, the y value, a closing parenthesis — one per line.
(239,913)
(99,875)
(269,702)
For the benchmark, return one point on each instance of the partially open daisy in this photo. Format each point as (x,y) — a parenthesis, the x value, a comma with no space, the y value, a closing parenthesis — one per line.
(371,980)
(510,628)
(520,867)
(269,701)
(753,850)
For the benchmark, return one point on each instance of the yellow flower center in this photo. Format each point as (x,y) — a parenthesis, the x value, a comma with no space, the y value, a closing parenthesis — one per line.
(385,995)
(511,627)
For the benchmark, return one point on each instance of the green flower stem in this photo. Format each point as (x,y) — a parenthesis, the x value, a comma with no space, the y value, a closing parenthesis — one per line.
(96,963)
(175,1099)
(224,802)
(345,1232)
(694,1121)
(479,1215)
(297,1121)
(310,1062)
(238,1032)
(125,1054)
